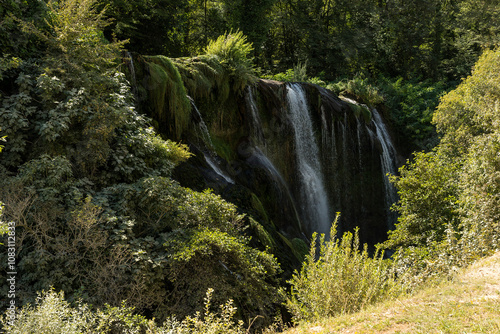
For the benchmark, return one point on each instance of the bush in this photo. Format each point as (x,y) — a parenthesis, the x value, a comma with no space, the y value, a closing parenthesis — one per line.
(449,198)
(412,104)
(53,314)
(211,323)
(233,52)
(340,279)
(428,200)
(360,88)
(296,74)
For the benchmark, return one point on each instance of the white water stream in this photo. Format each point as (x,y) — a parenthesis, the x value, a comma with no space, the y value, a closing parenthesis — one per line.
(314,200)
(205,136)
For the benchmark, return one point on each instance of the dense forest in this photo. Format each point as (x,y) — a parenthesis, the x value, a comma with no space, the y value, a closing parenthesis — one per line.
(285,159)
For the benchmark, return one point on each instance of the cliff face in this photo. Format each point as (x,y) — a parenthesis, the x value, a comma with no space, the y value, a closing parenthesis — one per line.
(266,148)
(290,156)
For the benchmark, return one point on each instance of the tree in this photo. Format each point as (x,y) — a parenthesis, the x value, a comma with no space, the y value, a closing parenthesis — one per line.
(449,197)
(428,200)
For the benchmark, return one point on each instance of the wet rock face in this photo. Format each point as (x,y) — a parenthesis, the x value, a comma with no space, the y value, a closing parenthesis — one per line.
(301,174)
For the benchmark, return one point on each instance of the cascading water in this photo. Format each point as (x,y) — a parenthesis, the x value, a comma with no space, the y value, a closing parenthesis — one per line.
(387,158)
(132,74)
(202,129)
(314,200)
(255,118)
(259,158)
(205,137)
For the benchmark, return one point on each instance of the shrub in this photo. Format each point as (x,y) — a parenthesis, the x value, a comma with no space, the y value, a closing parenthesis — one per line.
(211,323)
(449,197)
(338,279)
(360,88)
(53,314)
(412,104)
(233,52)
(428,200)
(296,74)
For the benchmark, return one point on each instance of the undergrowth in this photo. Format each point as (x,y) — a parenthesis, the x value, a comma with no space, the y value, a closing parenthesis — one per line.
(51,313)
(336,278)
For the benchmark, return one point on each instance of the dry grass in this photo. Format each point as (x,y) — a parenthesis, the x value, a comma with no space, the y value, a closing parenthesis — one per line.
(470,303)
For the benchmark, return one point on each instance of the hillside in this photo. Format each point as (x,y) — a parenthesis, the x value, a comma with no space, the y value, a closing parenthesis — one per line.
(288,160)
(470,303)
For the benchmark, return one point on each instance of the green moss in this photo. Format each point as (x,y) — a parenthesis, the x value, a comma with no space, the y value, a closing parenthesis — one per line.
(361,110)
(264,237)
(257,205)
(171,107)
(296,247)
(204,77)
(223,148)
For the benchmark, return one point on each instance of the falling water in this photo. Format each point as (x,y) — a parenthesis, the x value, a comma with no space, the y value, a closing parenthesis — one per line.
(259,158)
(314,201)
(280,183)
(207,140)
(202,129)
(388,165)
(268,165)
(255,118)
(211,162)
(132,74)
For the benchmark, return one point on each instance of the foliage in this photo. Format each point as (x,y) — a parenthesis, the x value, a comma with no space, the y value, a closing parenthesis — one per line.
(480,186)
(339,279)
(144,243)
(296,74)
(172,108)
(437,40)
(469,111)
(360,88)
(53,314)
(211,323)
(448,198)
(87,181)
(233,53)
(207,258)
(428,200)
(220,76)
(152,26)
(412,104)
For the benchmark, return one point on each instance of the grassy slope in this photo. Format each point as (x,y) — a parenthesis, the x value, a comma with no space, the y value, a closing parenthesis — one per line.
(468,304)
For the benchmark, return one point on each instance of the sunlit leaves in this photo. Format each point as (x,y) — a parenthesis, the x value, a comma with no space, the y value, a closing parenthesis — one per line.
(337,277)
(428,192)
(449,198)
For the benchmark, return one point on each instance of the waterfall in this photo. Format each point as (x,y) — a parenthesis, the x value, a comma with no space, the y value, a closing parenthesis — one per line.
(132,74)
(280,183)
(387,158)
(256,127)
(260,159)
(211,162)
(313,197)
(202,131)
